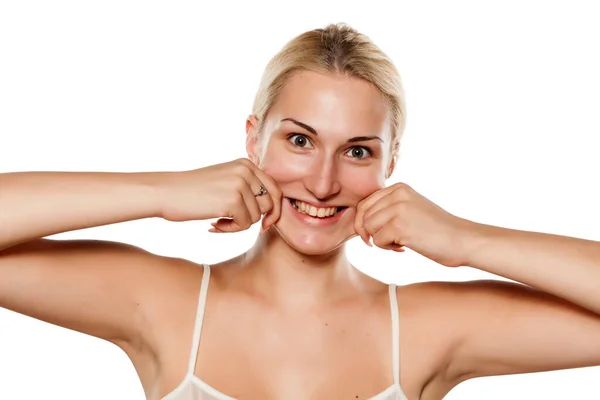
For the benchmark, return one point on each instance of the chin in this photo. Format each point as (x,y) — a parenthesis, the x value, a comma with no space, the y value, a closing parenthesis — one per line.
(312,235)
(311,245)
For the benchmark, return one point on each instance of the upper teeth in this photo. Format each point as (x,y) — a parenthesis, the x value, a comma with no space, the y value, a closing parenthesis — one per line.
(312,210)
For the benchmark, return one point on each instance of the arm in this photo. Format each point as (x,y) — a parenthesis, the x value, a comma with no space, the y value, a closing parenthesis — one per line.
(493,328)
(39,204)
(507,328)
(99,288)
(564,266)
(105,289)
(81,285)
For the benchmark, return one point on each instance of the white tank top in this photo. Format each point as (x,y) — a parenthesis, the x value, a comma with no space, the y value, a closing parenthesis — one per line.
(194,388)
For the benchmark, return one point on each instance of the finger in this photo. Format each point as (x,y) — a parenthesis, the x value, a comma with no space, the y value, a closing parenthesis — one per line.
(387,238)
(255,204)
(214,229)
(264,201)
(381,219)
(275,196)
(250,190)
(251,201)
(397,248)
(240,218)
(362,207)
(380,204)
(261,178)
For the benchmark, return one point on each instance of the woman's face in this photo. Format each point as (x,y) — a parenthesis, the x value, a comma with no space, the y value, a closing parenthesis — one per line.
(326,142)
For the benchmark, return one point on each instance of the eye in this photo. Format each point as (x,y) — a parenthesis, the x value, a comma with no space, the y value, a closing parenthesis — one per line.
(359,152)
(299,140)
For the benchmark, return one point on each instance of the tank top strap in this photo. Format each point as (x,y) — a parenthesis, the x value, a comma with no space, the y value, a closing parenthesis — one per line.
(199,319)
(395,334)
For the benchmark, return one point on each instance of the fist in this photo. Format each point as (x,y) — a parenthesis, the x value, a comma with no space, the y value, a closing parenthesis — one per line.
(398,216)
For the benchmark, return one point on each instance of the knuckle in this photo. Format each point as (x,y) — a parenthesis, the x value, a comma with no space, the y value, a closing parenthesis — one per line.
(368,226)
(228,208)
(401,207)
(241,160)
(377,242)
(240,166)
(247,172)
(239,182)
(266,204)
(405,189)
(399,191)
(242,221)
(359,208)
(264,209)
(244,225)
(397,224)
(235,201)
(245,161)
(253,219)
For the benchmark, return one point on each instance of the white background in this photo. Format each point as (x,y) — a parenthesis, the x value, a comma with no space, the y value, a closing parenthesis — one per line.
(503,101)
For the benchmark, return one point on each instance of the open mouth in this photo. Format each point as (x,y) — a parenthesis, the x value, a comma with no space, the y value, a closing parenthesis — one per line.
(315,212)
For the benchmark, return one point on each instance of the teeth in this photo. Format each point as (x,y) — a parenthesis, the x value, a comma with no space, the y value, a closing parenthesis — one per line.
(314,211)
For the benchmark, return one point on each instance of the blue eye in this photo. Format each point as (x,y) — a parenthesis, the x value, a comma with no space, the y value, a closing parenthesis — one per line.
(359,152)
(300,140)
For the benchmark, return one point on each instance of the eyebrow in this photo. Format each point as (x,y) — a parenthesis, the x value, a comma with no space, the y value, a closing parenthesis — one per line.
(314,132)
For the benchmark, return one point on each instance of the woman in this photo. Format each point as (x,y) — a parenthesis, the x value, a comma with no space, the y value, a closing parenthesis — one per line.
(291,318)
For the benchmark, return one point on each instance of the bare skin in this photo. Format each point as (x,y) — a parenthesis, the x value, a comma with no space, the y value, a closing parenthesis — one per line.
(338,349)
(291,318)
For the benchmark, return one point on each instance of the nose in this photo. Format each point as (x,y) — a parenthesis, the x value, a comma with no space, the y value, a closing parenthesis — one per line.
(322,180)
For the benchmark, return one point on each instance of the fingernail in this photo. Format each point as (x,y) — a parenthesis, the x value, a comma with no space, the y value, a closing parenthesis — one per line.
(367,240)
(263,230)
(398,248)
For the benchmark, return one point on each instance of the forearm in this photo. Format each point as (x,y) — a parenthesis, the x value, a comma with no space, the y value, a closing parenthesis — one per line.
(564,266)
(38,204)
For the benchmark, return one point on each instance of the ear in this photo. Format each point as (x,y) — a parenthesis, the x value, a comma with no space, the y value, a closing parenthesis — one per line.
(391,167)
(252,139)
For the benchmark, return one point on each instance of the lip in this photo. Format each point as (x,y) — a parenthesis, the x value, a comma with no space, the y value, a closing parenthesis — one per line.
(314,221)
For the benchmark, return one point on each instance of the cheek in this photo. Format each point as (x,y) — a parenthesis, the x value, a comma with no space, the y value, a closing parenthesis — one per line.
(284,167)
(361,182)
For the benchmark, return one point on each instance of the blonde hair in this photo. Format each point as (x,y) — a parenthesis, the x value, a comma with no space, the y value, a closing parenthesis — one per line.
(337,48)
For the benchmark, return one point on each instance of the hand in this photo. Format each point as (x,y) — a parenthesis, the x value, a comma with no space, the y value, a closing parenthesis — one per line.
(226,191)
(398,216)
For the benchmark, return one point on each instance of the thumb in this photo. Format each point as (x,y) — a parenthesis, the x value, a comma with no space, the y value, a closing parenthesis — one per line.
(226,225)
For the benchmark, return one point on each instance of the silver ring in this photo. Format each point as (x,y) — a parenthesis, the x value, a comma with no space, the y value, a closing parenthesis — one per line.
(261,191)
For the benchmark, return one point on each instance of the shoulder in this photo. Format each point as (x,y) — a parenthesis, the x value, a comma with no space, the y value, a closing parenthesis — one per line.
(439,297)
(168,292)
(437,305)
(441,315)
(427,325)
(111,290)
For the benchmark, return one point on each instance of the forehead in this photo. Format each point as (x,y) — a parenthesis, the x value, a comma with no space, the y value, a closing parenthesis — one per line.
(332,104)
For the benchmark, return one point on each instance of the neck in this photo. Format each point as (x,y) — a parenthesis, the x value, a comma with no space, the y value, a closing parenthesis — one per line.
(280,272)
